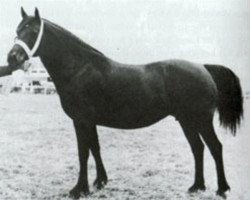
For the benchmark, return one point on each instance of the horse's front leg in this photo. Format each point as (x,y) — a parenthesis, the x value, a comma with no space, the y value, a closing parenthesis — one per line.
(101,179)
(83,132)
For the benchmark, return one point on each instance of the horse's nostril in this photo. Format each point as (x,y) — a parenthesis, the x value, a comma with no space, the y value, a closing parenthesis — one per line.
(12,58)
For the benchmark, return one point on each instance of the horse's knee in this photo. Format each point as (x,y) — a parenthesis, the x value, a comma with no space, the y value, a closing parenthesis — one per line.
(84,155)
(95,147)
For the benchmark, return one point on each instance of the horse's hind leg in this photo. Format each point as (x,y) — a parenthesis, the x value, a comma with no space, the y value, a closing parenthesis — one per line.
(197,147)
(215,148)
(101,178)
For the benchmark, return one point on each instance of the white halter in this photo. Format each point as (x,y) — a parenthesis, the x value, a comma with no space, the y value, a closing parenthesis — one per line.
(31,52)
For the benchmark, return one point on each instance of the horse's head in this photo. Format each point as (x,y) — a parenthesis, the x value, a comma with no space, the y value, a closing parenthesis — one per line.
(29,34)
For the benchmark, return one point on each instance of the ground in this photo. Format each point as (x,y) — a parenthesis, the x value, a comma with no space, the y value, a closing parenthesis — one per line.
(39,159)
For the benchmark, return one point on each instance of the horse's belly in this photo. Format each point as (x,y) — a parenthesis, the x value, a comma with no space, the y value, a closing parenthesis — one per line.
(134,100)
(132,116)
(119,120)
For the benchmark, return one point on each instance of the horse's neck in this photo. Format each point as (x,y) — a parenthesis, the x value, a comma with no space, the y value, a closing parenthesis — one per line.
(63,60)
(56,64)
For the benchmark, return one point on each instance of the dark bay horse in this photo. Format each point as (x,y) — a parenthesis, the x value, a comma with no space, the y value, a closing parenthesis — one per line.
(94,90)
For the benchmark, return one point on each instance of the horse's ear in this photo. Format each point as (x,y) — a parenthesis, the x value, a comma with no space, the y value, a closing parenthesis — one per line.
(37,15)
(24,15)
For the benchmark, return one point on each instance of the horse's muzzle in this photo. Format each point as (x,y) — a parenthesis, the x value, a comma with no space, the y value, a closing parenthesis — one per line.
(16,56)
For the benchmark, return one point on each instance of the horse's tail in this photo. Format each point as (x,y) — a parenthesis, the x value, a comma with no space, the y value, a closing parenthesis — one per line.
(230,102)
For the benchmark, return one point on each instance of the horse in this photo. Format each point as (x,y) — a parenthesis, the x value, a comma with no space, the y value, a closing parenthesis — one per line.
(96,90)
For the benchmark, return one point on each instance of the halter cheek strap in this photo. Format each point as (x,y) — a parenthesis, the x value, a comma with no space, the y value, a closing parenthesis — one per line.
(31,52)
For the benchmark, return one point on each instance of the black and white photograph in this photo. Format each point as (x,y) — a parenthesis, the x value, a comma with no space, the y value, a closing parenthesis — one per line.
(124,100)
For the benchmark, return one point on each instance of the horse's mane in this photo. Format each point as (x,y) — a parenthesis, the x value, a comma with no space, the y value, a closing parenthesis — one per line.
(74,38)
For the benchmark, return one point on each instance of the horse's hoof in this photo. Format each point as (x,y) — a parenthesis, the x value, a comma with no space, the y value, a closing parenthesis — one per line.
(76,192)
(196,188)
(222,191)
(99,183)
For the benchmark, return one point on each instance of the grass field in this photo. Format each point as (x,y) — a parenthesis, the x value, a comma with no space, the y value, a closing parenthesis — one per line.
(39,159)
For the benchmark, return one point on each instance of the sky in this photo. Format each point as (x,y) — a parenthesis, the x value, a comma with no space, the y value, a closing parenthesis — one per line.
(142,31)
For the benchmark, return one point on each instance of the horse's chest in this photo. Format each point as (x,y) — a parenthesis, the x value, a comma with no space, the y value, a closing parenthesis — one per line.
(74,105)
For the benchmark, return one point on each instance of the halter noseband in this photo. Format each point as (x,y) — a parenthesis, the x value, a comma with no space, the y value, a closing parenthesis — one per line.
(30,52)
